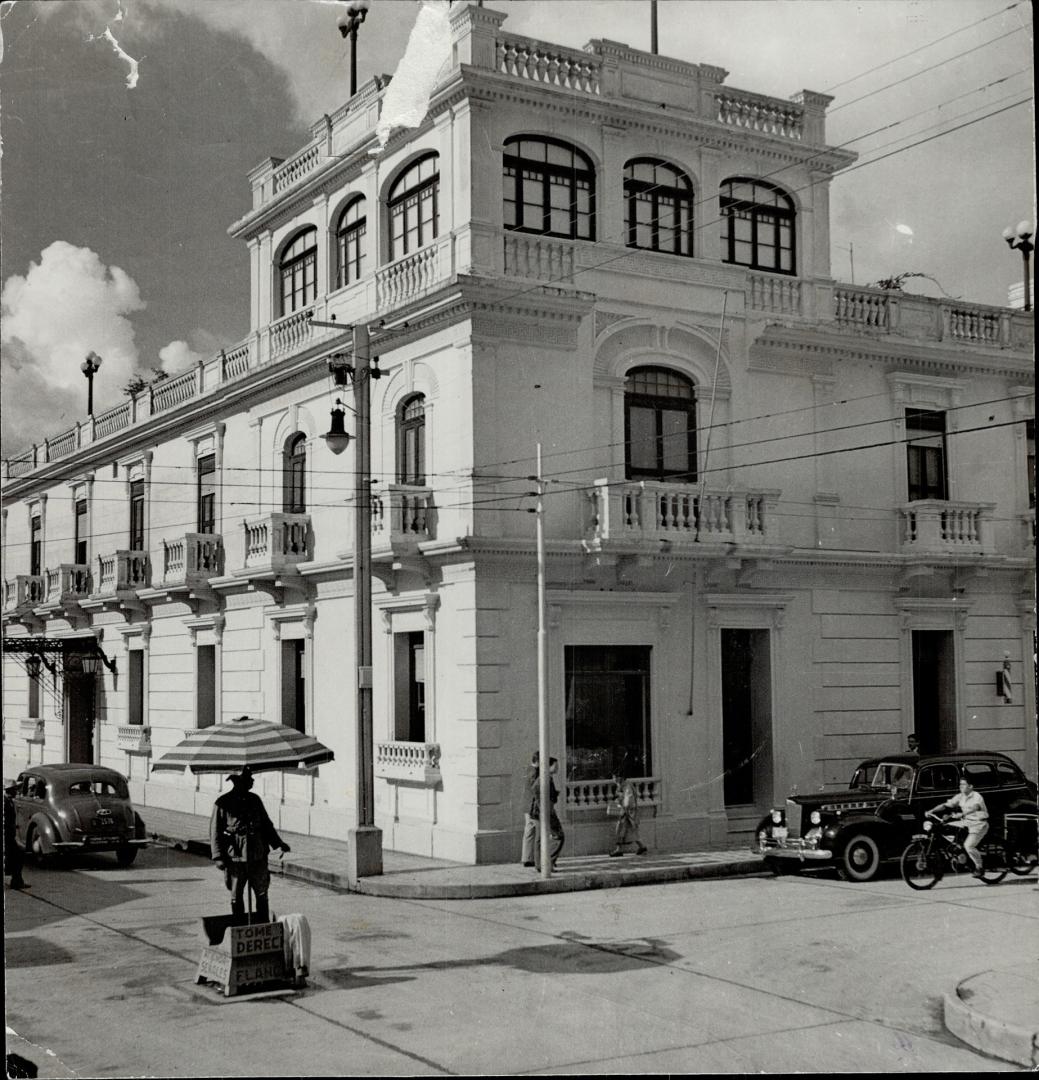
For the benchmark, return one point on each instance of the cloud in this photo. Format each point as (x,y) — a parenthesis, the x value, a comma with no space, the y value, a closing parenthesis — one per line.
(178,356)
(67,305)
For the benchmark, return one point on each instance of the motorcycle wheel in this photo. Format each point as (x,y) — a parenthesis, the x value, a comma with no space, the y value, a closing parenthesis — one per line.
(1021,863)
(921,868)
(993,875)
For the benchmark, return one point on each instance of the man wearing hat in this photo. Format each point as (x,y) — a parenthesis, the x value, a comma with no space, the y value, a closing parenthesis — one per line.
(240,836)
(532,822)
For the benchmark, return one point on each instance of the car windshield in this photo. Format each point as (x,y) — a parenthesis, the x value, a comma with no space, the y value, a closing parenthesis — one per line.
(889,775)
(110,788)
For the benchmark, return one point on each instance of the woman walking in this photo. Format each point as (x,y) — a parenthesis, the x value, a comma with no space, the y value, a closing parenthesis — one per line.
(628,823)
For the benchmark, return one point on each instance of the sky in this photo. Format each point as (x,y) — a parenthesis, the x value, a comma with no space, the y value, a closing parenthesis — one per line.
(129,127)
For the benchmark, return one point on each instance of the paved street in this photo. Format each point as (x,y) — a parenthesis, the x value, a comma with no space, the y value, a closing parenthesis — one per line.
(761,973)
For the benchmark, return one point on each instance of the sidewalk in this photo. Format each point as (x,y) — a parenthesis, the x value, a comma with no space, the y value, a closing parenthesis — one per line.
(997,1012)
(323,862)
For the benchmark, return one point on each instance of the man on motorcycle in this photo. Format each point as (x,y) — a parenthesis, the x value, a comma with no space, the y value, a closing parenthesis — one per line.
(973,814)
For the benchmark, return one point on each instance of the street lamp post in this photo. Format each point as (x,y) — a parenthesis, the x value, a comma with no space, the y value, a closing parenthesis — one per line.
(1021,238)
(90,367)
(349,24)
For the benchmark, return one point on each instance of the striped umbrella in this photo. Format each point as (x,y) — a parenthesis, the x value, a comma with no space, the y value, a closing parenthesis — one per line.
(258,744)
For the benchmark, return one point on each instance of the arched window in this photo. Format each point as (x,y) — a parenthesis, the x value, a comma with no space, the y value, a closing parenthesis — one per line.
(413,206)
(411,441)
(294,475)
(298,272)
(658,200)
(350,233)
(549,188)
(660,425)
(757,225)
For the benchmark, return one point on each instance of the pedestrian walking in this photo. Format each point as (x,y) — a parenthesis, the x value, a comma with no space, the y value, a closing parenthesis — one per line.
(240,836)
(13,856)
(530,825)
(555,827)
(628,822)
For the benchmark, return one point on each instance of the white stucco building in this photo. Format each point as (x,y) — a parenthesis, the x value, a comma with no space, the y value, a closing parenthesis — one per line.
(789,520)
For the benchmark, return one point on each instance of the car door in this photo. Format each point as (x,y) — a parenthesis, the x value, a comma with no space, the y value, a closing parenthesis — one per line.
(935,784)
(25,803)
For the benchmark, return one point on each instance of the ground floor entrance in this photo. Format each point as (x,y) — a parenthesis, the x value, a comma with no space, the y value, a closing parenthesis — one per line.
(934,690)
(746,671)
(80,712)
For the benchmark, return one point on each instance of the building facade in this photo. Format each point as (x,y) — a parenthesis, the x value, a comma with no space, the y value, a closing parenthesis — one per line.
(788,520)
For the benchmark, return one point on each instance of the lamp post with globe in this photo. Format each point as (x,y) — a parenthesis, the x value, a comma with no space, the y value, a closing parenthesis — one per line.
(1020,237)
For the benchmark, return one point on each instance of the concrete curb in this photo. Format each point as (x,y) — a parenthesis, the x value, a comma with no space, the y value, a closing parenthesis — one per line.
(998,1038)
(386,886)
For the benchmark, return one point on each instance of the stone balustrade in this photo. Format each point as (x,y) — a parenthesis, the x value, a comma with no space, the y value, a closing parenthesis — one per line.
(67,583)
(777,294)
(134,738)
(598,794)
(402,516)
(276,541)
(539,258)
(865,308)
(31,729)
(413,275)
(121,572)
(755,112)
(551,65)
(408,761)
(191,559)
(935,526)
(290,332)
(24,591)
(175,391)
(297,166)
(235,362)
(655,511)
(113,420)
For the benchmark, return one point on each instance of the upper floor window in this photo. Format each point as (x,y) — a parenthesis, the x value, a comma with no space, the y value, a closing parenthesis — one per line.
(136,515)
(36,545)
(549,187)
(298,272)
(350,234)
(294,471)
(1030,460)
(207,494)
(660,425)
(413,206)
(757,225)
(925,454)
(79,555)
(411,441)
(658,200)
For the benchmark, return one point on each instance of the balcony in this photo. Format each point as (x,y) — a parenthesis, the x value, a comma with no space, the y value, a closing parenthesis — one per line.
(598,794)
(191,560)
(937,527)
(414,275)
(414,762)
(121,573)
(402,518)
(645,510)
(276,543)
(24,593)
(134,738)
(65,586)
(31,730)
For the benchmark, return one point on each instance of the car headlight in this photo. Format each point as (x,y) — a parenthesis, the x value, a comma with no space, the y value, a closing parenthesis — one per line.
(816,818)
(928,826)
(777,817)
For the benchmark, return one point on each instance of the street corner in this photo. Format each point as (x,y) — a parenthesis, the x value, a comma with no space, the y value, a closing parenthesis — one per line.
(997,1012)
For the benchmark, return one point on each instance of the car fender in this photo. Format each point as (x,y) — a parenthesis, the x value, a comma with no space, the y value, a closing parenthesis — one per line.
(888,835)
(139,831)
(47,831)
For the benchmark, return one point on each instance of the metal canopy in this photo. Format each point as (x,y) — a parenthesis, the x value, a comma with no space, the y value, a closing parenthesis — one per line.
(57,649)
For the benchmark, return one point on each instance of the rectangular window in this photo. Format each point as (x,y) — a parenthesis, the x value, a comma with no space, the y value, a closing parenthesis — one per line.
(925,450)
(36,545)
(1030,462)
(205,686)
(293,684)
(409,689)
(137,515)
(607,711)
(135,687)
(207,494)
(79,554)
(33,667)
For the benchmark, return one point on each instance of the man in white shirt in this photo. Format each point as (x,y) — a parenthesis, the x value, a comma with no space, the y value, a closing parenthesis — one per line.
(974,815)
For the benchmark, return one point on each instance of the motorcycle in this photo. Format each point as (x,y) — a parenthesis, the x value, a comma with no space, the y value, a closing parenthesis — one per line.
(939,849)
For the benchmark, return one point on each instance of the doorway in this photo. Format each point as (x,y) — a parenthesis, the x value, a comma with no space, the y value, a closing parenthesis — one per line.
(747,717)
(934,691)
(80,701)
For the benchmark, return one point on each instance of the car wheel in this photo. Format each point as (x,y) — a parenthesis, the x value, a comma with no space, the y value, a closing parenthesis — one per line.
(34,846)
(860,858)
(125,855)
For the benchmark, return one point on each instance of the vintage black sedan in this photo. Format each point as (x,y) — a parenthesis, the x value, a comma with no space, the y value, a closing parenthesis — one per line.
(63,808)
(857,830)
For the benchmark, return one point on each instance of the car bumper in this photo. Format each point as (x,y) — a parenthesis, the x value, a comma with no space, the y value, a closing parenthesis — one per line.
(792,849)
(100,842)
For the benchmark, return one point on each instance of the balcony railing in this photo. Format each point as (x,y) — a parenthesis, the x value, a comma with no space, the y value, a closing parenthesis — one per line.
(112,420)
(191,559)
(25,591)
(411,761)
(277,541)
(553,65)
(172,392)
(539,258)
(301,163)
(413,275)
(402,517)
(755,112)
(32,730)
(134,738)
(598,794)
(869,309)
(655,511)
(773,293)
(934,526)
(291,332)
(67,583)
(121,572)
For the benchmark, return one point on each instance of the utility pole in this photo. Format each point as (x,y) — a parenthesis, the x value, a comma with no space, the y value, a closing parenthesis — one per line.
(544,760)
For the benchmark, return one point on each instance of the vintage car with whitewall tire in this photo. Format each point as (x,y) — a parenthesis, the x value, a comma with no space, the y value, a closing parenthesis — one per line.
(75,808)
(857,830)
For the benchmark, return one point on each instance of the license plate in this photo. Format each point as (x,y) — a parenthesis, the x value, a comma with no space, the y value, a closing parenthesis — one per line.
(779,832)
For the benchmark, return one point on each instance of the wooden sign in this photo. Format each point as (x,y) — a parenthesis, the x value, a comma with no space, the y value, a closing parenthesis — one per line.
(249,958)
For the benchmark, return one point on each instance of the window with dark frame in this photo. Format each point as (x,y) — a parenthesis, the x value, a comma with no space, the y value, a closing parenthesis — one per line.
(33,667)
(207,494)
(757,225)
(658,200)
(205,686)
(350,234)
(660,425)
(135,686)
(413,207)
(298,272)
(79,555)
(925,454)
(294,474)
(36,545)
(136,515)
(549,188)
(411,441)
(294,683)
(417,686)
